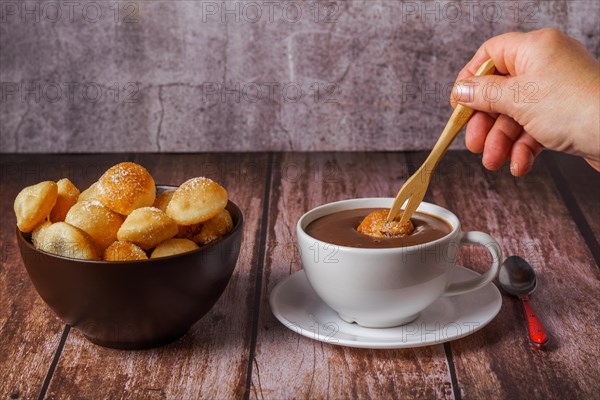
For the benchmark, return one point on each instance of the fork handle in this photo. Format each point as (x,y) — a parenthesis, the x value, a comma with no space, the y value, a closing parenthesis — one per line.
(457,121)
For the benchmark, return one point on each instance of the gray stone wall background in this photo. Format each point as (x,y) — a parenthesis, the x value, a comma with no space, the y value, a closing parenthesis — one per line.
(170,76)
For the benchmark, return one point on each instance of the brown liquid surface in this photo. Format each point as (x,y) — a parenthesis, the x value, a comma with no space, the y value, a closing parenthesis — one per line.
(340,228)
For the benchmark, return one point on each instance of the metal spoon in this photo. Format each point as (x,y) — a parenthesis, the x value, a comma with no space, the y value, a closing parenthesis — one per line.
(518,278)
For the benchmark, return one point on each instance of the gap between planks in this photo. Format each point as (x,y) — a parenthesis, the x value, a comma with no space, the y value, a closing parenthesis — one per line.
(558,178)
(412,168)
(257,291)
(54,363)
(63,339)
(573,206)
(264,228)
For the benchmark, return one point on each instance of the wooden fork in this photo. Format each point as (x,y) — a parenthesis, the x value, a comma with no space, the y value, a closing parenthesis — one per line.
(415,187)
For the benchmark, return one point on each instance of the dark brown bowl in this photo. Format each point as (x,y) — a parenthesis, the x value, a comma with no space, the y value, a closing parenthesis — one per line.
(135,304)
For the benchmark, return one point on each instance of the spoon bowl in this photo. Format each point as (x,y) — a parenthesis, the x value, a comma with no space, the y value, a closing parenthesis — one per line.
(518,278)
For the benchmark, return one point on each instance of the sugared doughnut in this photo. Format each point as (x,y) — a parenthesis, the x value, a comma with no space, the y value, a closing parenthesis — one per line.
(36,232)
(90,193)
(68,241)
(173,246)
(376,224)
(147,227)
(163,199)
(34,203)
(215,228)
(124,251)
(126,187)
(101,223)
(67,196)
(197,200)
(120,216)
(188,231)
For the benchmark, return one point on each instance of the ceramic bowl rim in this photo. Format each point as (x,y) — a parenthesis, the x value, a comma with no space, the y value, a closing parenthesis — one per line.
(449,218)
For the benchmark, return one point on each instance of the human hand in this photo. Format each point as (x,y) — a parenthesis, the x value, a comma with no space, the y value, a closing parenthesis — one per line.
(548,95)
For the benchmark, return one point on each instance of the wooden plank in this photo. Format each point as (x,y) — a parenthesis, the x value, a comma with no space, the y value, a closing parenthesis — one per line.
(584,182)
(529,219)
(212,359)
(579,185)
(29,330)
(287,365)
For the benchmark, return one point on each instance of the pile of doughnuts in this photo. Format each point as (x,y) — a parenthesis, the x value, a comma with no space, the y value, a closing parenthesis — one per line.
(376,225)
(121,217)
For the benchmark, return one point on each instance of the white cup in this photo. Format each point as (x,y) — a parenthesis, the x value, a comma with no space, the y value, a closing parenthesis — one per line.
(381,288)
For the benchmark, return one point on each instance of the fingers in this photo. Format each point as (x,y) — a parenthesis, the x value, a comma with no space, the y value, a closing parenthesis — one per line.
(477,129)
(594,164)
(495,137)
(491,94)
(499,141)
(503,136)
(523,152)
(503,49)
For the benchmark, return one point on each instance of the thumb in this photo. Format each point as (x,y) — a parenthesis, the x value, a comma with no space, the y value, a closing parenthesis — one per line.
(485,93)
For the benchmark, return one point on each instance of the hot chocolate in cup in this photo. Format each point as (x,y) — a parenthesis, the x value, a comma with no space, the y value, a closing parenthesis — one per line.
(390,286)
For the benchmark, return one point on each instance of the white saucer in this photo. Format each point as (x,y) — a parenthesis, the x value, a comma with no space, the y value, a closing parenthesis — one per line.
(295,304)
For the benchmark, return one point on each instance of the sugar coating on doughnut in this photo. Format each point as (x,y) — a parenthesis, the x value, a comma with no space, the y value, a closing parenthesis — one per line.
(67,241)
(147,227)
(124,251)
(67,196)
(197,200)
(126,187)
(101,223)
(376,224)
(215,228)
(34,203)
(163,199)
(173,246)
(90,193)
(37,231)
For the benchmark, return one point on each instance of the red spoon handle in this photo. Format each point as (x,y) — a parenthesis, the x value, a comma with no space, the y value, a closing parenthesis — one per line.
(537,334)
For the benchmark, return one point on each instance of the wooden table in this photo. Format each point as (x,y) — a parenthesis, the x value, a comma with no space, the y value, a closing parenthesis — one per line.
(239,350)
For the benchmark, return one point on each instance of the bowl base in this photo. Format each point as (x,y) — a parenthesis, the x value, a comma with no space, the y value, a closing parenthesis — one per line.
(138,345)
(386,324)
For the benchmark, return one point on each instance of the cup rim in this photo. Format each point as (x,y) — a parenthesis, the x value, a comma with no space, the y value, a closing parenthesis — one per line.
(455,225)
(237,226)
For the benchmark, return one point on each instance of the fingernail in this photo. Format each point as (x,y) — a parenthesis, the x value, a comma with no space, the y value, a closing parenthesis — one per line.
(463,92)
(492,166)
(514,168)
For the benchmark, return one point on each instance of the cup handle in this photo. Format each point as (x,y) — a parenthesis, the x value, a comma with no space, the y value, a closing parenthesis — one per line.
(493,247)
